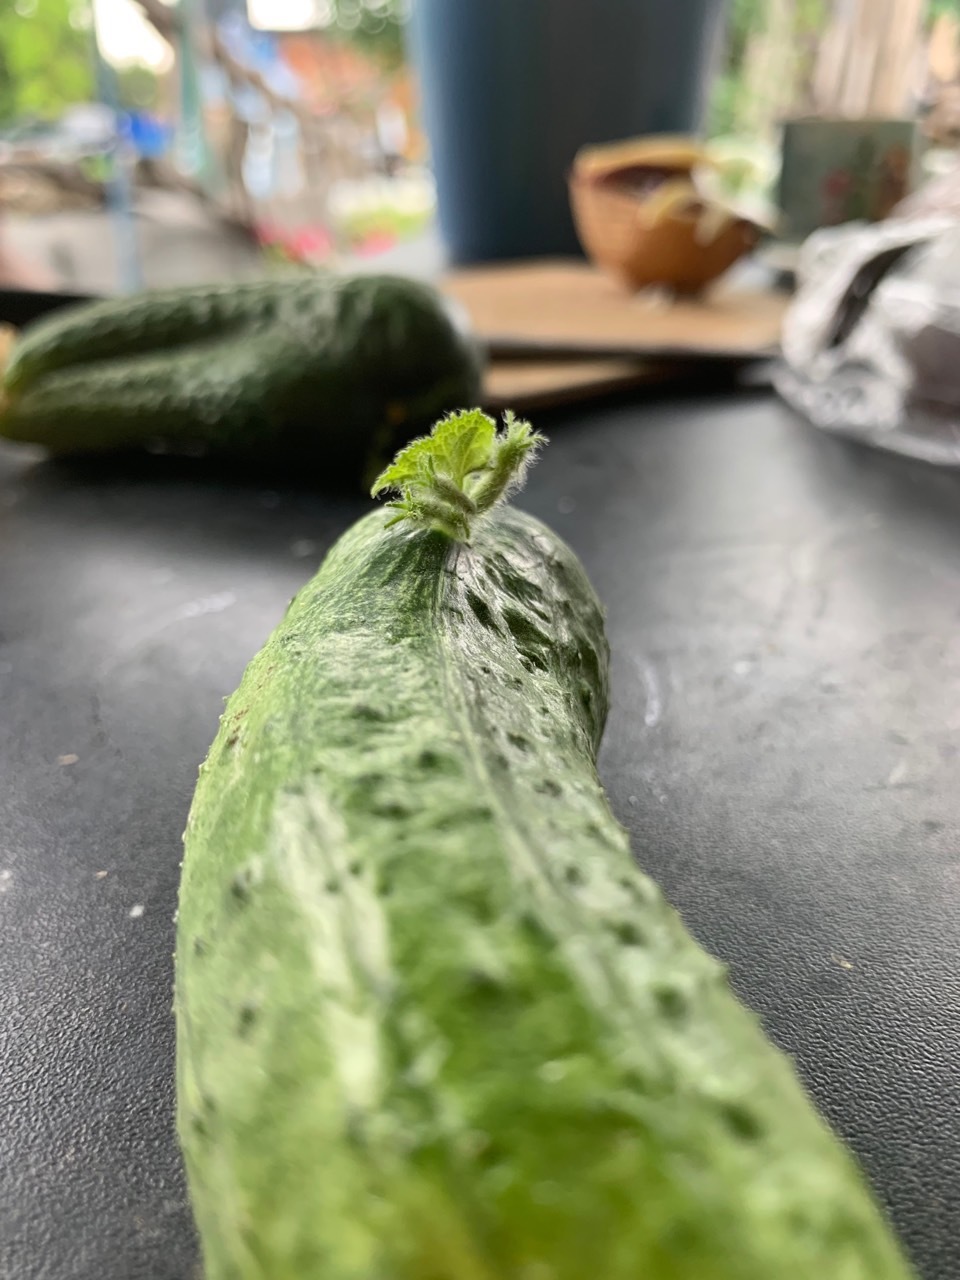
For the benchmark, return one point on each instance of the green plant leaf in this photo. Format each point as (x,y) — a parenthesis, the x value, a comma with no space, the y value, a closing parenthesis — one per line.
(459,444)
(463,468)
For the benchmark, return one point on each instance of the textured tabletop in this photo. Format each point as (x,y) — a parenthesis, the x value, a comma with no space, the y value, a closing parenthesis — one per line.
(784,612)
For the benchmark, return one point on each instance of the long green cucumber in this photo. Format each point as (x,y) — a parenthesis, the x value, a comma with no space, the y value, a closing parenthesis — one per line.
(433,1023)
(334,371)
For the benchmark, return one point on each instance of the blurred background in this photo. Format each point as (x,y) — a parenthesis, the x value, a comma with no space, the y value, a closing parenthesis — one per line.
(146,141)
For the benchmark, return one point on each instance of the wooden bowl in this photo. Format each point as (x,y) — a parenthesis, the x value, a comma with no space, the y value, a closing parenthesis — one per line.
(683,248)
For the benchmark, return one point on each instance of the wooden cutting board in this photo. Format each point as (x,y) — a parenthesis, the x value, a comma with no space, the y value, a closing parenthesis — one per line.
(539,384)
(557,308)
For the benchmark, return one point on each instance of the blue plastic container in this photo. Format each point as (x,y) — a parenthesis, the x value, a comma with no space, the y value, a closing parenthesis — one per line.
(512,88)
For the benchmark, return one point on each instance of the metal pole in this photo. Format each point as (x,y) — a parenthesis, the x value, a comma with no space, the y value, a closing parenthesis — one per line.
(119,185)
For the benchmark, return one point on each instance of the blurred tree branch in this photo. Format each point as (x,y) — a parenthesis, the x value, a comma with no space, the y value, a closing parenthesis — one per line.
(164,18)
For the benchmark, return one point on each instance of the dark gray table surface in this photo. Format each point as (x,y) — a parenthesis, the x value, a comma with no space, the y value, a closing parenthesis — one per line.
(784,612)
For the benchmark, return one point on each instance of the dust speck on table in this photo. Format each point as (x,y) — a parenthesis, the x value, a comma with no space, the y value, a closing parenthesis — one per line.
(303,547)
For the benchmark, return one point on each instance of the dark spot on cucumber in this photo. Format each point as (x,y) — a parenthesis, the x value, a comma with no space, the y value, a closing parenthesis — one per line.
(199,1126)
(482,611)
(354,1131)
(526,633)
(635,1080)
(372,715)
(589,661)
(520,587)
(489,1154)
(516,680)
(627,933)
(200,947)
(548,787)
(485,670)
(519,741)
(459,817)
(332,886)
(354,868)
(246,1018)
(681,1238)
(635,888)
(474,1145)
(530,662)
(482,982)
(741,1121)
(801,1222)
(534,927)
(572,874)
(384,887)
(671,1001)
(436,762)
(390,809)
(241,885)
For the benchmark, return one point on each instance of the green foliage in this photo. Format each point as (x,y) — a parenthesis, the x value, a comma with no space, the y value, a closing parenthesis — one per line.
(46,61)
(729,103)
(731,106)
(138,88)
(386,221)
(375,26)
(462,469)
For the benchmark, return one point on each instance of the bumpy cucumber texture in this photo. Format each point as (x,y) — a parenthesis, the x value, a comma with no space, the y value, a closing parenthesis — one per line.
(332,371)
(433,1022)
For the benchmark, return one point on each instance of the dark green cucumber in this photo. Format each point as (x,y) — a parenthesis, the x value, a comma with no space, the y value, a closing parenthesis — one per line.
(433,1023)
(333,371)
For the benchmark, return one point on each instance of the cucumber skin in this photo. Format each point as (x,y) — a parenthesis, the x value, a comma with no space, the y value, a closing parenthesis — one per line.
(333,371)
(433,1023)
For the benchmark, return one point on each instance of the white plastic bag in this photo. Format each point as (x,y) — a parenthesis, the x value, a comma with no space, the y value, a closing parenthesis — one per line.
(871,343)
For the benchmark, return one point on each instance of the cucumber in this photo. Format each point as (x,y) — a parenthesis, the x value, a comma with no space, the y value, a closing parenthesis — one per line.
(433,1023)
(331,371)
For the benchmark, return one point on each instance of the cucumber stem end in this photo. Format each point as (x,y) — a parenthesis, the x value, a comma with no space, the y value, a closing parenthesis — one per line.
(450,478)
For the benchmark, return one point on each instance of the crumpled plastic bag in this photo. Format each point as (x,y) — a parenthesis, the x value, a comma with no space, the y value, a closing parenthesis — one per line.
(871,342)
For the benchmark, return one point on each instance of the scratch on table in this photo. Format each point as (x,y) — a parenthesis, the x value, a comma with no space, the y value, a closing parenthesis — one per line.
(206,604)
(202,607)
(653,710)
(897,774)
(806,576)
